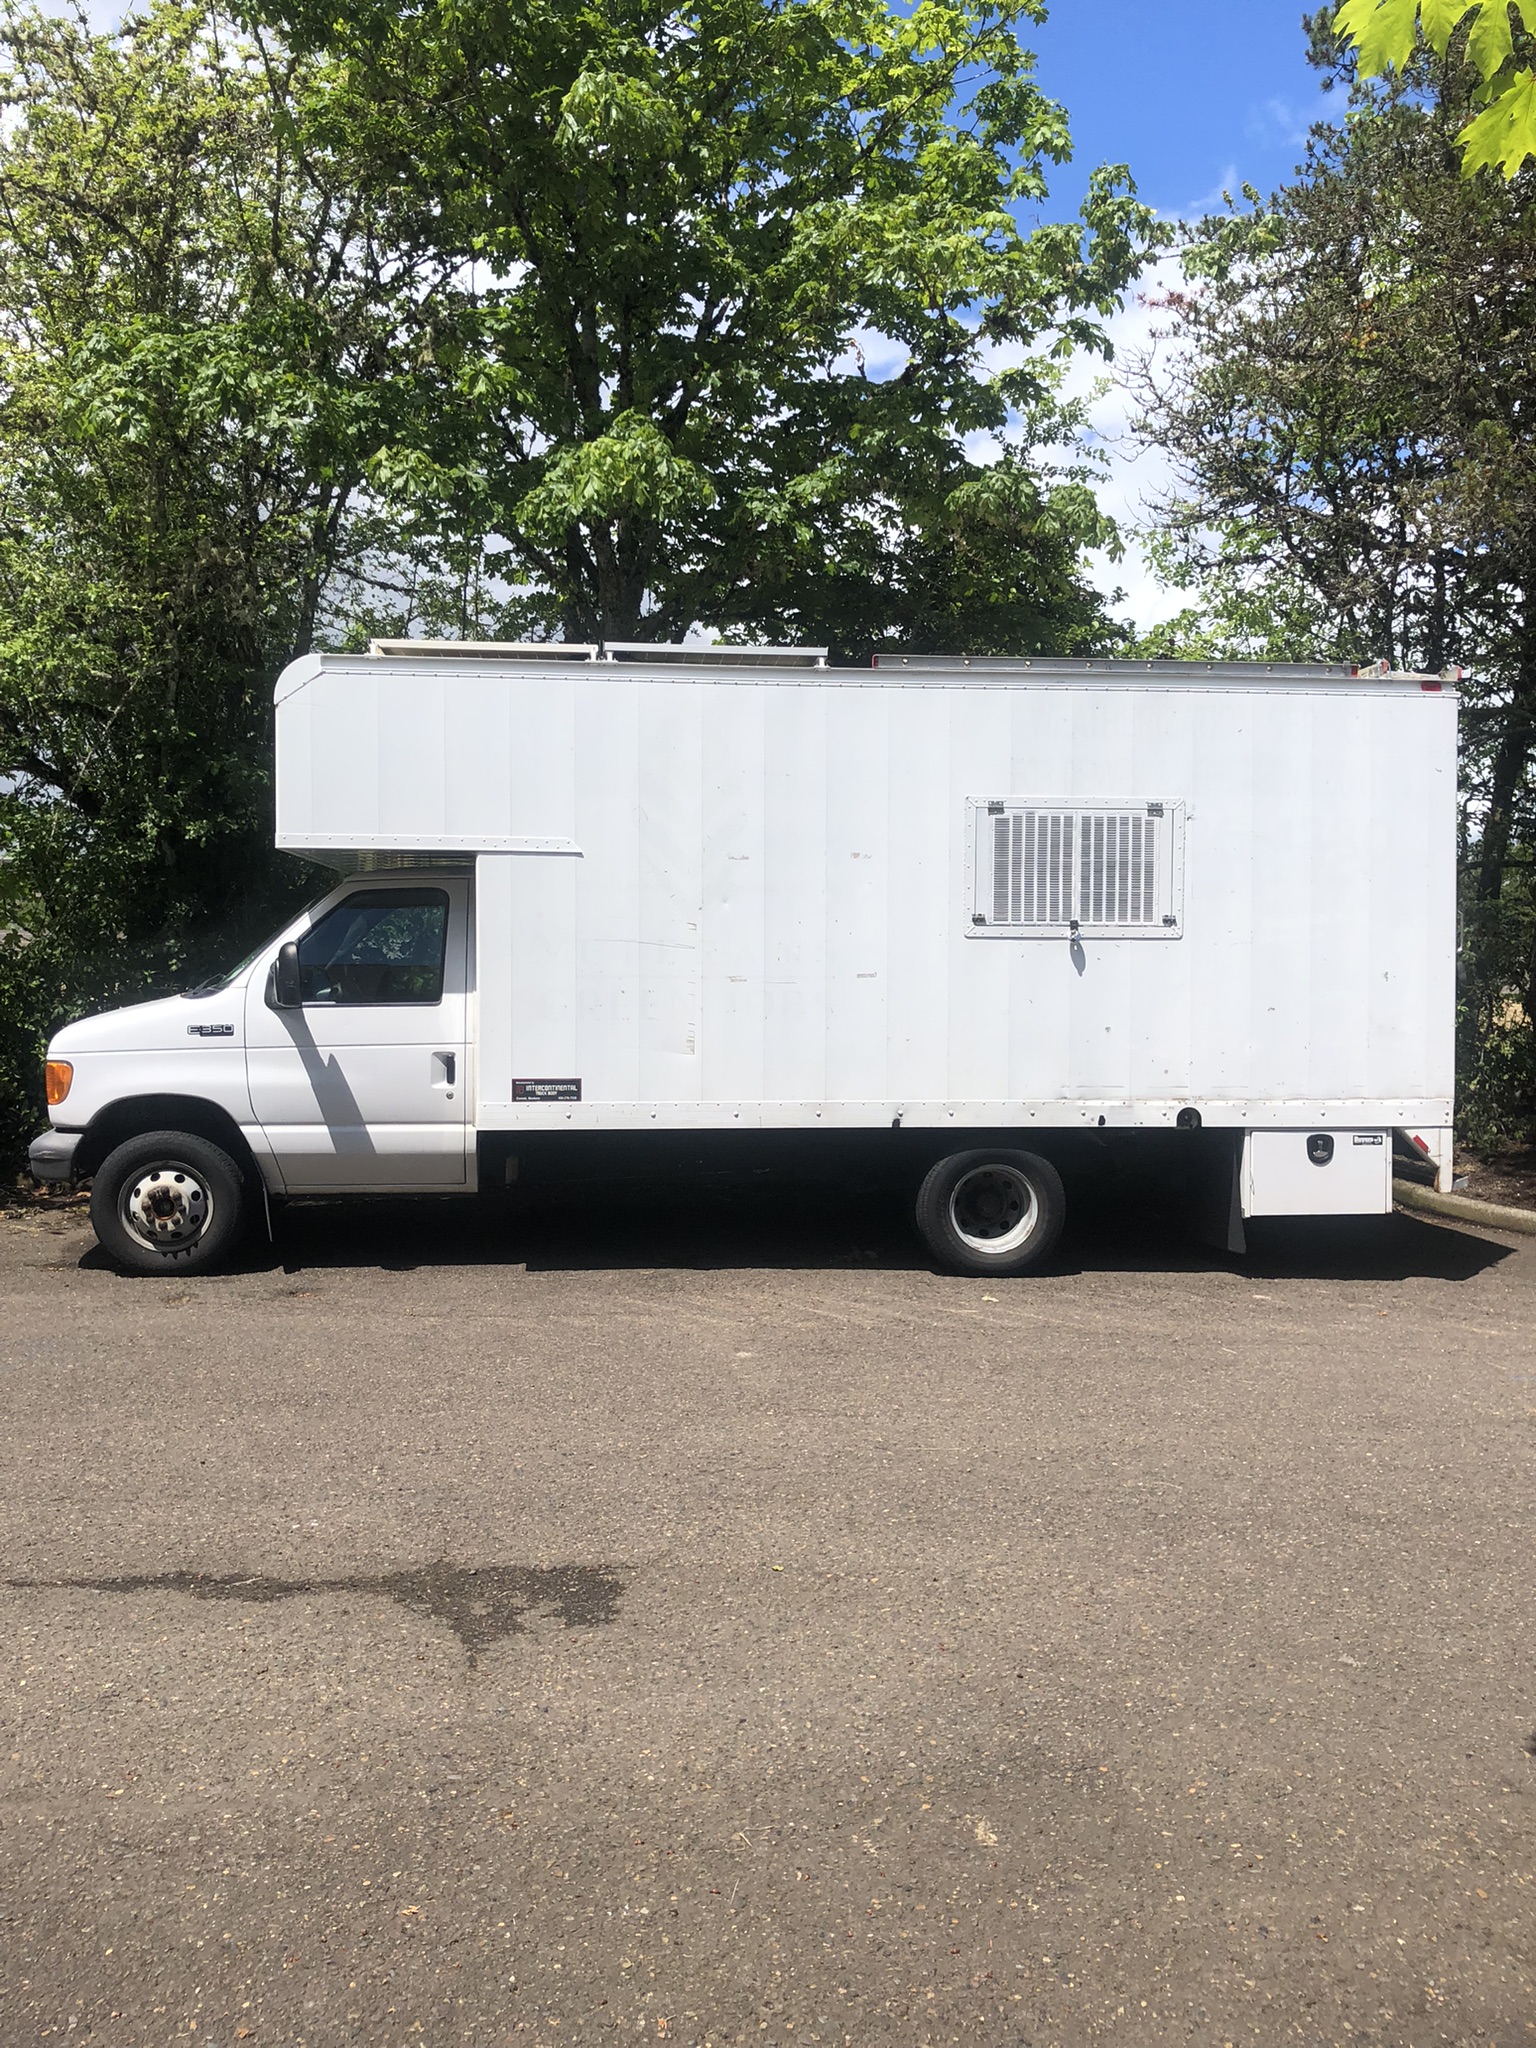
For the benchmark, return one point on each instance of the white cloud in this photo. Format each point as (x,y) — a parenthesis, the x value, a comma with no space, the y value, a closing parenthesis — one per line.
(1282,120)
(874,354)
(103,16)
(1227,186)
(1136,476)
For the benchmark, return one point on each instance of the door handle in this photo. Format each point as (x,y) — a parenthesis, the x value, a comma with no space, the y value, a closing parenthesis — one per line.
(448,1062)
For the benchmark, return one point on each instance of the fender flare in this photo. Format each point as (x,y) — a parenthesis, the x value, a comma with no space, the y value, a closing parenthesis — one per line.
(131,1114)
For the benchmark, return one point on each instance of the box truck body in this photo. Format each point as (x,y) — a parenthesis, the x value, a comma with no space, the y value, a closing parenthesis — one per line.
(683,892)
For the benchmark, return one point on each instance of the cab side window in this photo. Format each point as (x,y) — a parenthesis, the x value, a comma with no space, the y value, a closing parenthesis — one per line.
(379,946)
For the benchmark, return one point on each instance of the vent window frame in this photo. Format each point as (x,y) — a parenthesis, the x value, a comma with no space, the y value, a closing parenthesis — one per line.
(1043,850)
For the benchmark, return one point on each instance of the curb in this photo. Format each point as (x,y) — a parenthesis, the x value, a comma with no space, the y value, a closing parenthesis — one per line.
(1493,1215)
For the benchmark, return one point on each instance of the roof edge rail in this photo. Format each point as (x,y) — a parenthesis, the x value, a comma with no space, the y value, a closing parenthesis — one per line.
(484,650)
(681,653)
(687,654)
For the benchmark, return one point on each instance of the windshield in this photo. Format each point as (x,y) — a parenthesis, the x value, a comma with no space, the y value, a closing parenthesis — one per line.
(218,982)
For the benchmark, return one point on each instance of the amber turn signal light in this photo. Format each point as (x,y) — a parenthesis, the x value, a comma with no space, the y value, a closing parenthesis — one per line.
(57,1076)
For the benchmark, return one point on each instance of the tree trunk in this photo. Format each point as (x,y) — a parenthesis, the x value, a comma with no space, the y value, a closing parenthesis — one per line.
(1510,761)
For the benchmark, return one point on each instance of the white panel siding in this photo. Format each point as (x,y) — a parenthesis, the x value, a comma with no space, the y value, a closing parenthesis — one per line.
(731,932)
(857,888)
(670,828)
(768,917)
(925,882)
(1278,937)
(794,896)
(1342,899)
(542,758)
(606,826)
(996,1007)
(539,972)
(1160,1015)
(477,783)
(345,768)
(412,753)
(491,1059)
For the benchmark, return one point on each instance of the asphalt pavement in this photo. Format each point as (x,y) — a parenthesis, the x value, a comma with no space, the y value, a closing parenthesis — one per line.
(704,1623)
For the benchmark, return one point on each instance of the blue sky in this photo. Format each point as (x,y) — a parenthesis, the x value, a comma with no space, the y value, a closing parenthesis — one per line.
(1189,93)
(1198,97)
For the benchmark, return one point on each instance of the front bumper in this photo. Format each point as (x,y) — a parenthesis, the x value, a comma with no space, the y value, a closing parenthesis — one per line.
(51,1155)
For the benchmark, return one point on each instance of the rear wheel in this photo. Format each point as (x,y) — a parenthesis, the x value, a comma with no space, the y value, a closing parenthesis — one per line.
(168,1202)
(991,1211)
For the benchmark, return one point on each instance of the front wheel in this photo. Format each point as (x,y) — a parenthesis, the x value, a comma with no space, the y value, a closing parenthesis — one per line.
(168,1203)
(991,1212)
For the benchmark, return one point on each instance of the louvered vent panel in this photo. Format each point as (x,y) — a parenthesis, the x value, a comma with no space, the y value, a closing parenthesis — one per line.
(1103,869)
(1118,879)
(1005,868)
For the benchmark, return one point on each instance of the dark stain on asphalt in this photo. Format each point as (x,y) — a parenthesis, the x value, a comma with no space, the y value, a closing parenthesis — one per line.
(482,1604)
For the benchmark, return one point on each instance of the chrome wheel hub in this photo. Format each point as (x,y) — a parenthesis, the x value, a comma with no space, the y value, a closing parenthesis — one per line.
(167,1206)
(993,1209)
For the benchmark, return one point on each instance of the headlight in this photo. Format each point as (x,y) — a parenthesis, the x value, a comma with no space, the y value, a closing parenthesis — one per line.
(57,1076)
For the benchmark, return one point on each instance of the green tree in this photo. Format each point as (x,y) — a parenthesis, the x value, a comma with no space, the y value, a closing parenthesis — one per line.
(745,285)
(1490,38)
(203,338)
(1346,392)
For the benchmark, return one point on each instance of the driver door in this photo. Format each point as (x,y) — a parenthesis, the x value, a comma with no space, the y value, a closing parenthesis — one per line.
(364,1084)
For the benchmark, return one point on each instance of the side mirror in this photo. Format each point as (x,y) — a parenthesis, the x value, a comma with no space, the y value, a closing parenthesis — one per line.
(286,993)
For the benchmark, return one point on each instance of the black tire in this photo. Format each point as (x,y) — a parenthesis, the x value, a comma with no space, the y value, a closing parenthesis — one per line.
(167,1202)
(972,1198)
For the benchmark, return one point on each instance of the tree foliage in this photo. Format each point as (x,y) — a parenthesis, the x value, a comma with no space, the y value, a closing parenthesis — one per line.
(203,339)
(465,318)
(1490,37)
(1346,392)
(745,285)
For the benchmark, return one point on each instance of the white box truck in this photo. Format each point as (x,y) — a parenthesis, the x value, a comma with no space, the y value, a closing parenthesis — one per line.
(973,910)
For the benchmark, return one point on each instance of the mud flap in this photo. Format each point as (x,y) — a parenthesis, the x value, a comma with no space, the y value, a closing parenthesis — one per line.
(1433,1146)
(1216,1188)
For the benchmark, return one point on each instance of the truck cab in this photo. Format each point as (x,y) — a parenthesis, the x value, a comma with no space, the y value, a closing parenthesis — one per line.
(335,1060)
